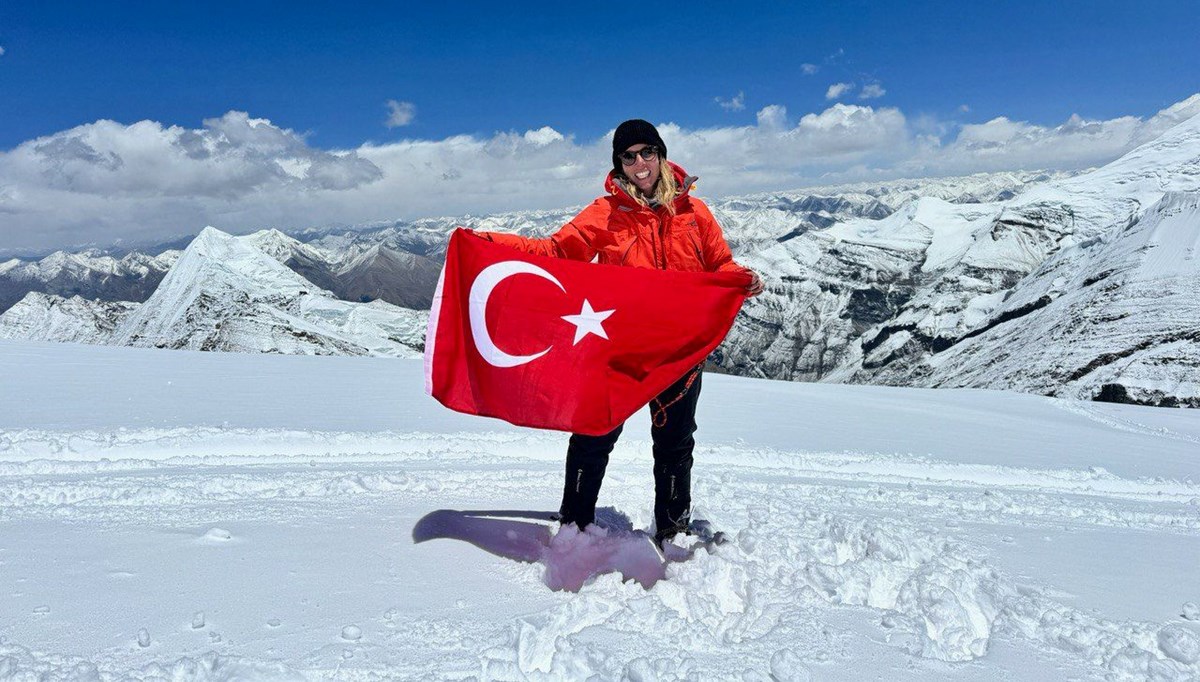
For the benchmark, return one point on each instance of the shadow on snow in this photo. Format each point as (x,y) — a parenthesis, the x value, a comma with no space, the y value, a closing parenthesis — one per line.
(571,557)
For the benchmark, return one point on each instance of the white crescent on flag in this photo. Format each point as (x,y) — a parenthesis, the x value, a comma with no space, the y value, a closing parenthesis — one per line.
(481,291)
(515,361)
(588,321)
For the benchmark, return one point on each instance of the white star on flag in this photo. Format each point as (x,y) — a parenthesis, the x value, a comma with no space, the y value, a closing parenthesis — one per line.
(588,322)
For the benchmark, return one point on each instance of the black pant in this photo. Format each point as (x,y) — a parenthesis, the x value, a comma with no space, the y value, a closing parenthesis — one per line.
(674,416)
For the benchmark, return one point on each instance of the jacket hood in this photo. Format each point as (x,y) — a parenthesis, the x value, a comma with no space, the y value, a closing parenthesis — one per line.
(682,179)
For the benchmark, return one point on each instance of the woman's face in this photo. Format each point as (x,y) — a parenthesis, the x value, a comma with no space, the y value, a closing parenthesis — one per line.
(642,172)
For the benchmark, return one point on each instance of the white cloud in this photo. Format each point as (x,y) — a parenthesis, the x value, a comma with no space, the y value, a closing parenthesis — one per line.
(773,117)
(106,180)
(737,103)
(872,91)
(1,50)
(400,113)
(838,89)
(543,136)
(962,109)
(809,69)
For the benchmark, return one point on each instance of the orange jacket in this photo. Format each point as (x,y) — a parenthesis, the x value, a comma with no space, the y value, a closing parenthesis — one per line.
(617,230)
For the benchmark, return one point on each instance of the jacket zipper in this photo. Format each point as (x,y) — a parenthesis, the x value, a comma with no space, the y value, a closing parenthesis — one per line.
(662,241)
(658,241)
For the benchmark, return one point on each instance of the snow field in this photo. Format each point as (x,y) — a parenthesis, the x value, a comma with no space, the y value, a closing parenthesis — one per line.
(939,597)
(176,547)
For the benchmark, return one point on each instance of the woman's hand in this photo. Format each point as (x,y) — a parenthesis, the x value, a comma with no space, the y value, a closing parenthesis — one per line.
(755,287)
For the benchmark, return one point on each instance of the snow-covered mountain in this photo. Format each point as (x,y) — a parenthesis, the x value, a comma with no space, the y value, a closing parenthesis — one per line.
(1126,310)
(758,221)
(909,282)
(46,317)
(399,277)
(232,294)
(363,270)
(225,294)
(90,274)
(932,294)
(398,261)
(750,222)
(358,272)
(310,263)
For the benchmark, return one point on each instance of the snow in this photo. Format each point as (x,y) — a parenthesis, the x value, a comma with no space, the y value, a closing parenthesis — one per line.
(45,317)
(1082,287)
(186,515)
(1132,295)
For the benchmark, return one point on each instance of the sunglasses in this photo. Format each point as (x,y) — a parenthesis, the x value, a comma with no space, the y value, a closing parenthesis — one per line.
(629,158)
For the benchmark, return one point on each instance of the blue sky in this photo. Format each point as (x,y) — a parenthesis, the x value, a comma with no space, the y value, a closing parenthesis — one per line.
(138,121)
(329,68)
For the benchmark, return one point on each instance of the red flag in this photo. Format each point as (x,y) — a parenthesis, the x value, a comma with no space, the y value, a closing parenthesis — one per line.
(560,344)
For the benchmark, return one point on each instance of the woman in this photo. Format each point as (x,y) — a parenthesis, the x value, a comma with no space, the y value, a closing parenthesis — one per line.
(647,220)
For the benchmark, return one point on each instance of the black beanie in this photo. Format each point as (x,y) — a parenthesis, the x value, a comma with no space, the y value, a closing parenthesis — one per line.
(635,131)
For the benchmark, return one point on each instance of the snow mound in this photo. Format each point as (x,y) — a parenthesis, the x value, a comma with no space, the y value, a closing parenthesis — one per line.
(352,633)
(217,535)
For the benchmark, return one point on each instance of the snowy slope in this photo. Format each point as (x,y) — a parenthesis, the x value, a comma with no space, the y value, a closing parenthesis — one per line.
(228,516)
(45,317)
(877,301)
(306,261)
(90,274)
(398,277)
(1123,316)
(224,294)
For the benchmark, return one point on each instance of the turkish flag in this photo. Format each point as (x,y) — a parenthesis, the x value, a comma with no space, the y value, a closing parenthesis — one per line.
(559,344)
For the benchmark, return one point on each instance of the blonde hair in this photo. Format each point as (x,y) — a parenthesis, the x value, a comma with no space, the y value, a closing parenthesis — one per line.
(665,190)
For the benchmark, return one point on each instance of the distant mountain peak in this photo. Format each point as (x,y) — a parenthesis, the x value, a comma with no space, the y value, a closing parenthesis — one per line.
(225,294)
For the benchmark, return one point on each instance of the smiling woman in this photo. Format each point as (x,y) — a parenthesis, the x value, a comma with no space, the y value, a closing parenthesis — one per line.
(648,219)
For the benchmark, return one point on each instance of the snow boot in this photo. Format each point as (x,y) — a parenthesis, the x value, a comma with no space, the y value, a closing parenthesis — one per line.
(587,459)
